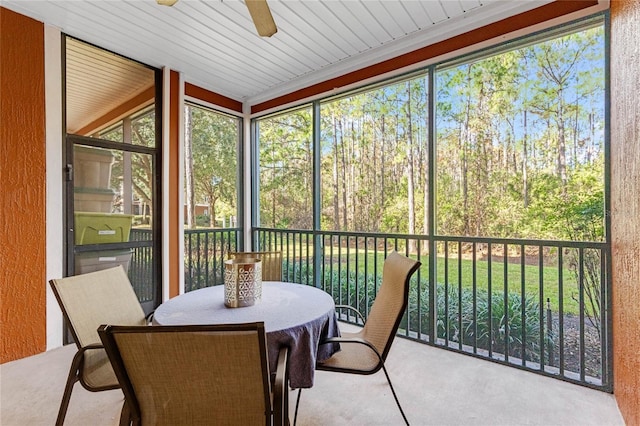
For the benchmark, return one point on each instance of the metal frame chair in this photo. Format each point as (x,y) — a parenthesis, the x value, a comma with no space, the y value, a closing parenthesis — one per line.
(271,262)
(87,301)
(365,352)
(197,374)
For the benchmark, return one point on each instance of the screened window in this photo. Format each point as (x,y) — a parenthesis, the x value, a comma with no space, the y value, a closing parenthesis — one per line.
(286,170)
(374,150)
(520,142)
(211,168)
(519,148)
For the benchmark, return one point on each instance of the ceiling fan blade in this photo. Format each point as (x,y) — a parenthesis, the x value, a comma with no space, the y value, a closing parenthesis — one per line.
(262,19)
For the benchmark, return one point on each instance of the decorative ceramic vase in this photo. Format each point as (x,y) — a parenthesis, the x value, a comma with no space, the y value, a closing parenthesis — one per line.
(242,282)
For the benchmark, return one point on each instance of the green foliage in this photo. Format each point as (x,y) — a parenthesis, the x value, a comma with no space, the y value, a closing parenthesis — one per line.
(297,272)
(206,251)
(203,220)
(214,140)
(519,153)
(466,319)
(142,133)
(286,165)
(519,144)
(490,324)
(458,319)
(505,326)
(515,131)
(139,220)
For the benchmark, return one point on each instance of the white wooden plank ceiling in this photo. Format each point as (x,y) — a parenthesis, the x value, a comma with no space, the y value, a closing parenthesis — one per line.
(215,45)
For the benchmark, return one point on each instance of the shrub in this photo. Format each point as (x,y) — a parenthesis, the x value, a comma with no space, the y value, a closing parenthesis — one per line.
(503,329)
(203,220)
(456,320)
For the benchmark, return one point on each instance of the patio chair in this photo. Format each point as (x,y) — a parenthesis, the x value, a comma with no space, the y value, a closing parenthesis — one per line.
(197,374)
(271,262)
(365,352)
(87,301)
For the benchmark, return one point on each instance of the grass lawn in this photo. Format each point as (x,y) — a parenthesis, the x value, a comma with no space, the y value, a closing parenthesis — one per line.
(460,273)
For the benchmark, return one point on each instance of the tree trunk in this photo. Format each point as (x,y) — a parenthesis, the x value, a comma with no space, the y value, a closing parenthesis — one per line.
(465,140)
(374,184)
(525,182)
(410,176)
(273,190)
(344,179)
(212,210)
(382,165)
(562,155)
(575,132)
(352,157)
(188,171)
(336,205)
(592,138)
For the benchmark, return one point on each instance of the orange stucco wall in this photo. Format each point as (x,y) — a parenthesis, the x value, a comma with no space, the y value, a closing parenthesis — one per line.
(22,179)
(625,204)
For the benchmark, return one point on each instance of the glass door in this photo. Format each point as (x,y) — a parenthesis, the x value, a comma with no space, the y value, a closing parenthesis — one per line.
(113,168)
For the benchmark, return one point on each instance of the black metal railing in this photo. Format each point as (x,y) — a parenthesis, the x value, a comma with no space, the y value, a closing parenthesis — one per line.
(297,253)
(537,305)
(141,265)
(205,253)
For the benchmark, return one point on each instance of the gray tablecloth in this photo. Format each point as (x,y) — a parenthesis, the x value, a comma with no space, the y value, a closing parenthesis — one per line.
(294,315)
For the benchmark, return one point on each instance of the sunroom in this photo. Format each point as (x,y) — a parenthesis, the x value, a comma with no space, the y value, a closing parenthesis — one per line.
(493,143)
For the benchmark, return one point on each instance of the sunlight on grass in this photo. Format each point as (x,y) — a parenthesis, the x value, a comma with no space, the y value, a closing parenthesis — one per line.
(455,273)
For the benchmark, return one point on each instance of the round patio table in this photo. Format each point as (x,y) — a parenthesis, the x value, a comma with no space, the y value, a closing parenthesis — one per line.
(294,315)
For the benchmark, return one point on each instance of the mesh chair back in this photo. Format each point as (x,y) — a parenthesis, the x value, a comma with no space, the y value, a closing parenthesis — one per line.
(271,263)
(101,297)
(390,303)
(92,299)
(211,374)
(356,354)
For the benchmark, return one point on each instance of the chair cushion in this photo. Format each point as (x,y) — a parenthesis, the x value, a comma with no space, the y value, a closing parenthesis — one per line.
(352,356)
(97,370)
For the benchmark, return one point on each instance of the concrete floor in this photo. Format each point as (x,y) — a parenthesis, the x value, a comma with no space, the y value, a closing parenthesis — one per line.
(435,387)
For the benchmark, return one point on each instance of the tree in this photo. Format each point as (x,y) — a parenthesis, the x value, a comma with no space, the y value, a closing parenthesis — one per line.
(188,171)
(143,133)
(214,149)
(512,129)
(286,170)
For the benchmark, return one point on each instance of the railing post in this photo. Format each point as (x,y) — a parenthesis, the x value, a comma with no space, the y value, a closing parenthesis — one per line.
(549,333)
(606,307)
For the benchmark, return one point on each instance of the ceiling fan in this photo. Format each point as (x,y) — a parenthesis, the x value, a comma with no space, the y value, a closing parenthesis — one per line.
(259,11)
